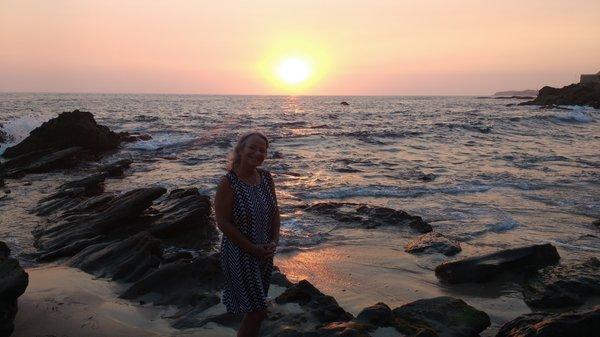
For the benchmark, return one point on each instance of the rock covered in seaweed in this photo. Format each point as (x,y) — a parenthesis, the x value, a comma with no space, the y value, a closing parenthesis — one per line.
(563,285)
(483,268)
(433,242)
(446,316)
(541,324)
(370,216)
(13,282)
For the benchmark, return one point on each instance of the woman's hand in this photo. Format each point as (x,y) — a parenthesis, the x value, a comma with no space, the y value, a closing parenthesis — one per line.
(263,251)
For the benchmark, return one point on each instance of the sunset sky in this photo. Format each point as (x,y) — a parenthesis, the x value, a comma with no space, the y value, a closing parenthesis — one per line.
(350,47)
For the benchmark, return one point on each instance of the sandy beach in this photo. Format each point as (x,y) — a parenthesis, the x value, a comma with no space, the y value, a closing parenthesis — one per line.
(66,302)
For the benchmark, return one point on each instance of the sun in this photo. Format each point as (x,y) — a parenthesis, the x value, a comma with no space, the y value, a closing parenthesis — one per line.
(294,70)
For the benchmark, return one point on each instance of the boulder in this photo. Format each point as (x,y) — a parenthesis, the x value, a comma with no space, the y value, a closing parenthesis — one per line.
(446,316)
(370,216)
(69,129)
(541,324)
(574,94)
(563,285)
(181,283)
(484,268)
(324,308)
(116,169)
(379,314)
(185,220)
(433,242)
(127,260)
(344,103)
(13,282)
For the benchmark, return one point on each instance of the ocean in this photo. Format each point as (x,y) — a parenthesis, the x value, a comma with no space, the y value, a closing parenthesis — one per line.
(489,175)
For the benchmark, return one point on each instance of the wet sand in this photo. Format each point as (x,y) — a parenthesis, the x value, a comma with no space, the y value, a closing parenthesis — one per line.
(372,267)
(66,302)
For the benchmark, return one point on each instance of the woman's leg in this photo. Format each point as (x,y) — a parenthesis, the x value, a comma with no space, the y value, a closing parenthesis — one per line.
(250,326)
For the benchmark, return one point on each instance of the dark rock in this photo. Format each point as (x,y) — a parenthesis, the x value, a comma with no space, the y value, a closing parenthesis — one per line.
(41,161)
(344,103)
(560,286)
(370,216)
(127,260)
(3,136)
(69,129)
(13,282)
(134,137)
(427,177)
(181,283)
(185,220)
(117,168)
(433,242)
(280,279)
(379,314)
(483,268)
(446,316)
(345,329)
(172,257)
(574,94)
(324,308)
(540,324)
(117,215)
(4,250)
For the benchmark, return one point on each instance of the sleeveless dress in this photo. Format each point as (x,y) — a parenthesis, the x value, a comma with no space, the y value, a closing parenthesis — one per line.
(247,278)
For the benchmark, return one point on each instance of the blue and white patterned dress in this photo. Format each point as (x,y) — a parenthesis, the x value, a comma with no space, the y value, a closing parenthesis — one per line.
(247,277)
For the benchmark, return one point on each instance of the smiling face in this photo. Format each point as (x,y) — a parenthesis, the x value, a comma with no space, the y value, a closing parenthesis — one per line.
(254,151)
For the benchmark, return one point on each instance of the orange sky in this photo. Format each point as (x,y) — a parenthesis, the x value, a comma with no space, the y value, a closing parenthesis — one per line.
(397,47)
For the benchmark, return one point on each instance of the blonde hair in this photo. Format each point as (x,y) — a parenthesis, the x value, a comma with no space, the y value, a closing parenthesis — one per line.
(234,155)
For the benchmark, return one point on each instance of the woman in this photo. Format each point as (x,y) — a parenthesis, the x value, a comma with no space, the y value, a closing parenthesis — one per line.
(247,214)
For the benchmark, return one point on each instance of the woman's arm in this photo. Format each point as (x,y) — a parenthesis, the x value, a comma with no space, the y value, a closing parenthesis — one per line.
(224,216)
(276,222)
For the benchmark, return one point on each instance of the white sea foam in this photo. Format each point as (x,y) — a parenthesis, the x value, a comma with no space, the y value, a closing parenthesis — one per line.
(574,116)
(19,128)
(391,191)
(161,141)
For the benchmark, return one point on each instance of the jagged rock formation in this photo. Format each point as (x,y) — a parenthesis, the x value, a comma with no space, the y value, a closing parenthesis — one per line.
(541,324)
(69,129)
(574,94)
(433,242)
(61,142)
(563,285)
(483,268)
(369,216)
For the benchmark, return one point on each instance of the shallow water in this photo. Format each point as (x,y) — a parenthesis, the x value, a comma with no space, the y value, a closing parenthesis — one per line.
(504,176)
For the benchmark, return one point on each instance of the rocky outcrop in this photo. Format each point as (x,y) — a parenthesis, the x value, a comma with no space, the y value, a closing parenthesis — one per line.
(446,316)
(574,94)
(484,268)
(540,324)
(563,285)
(126,260)
(61,142)
(325,308)
(69,129)
(183,283)
(13,282)
(41,161)
(433,242)
(435,317)
(185,220)
(370,216)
